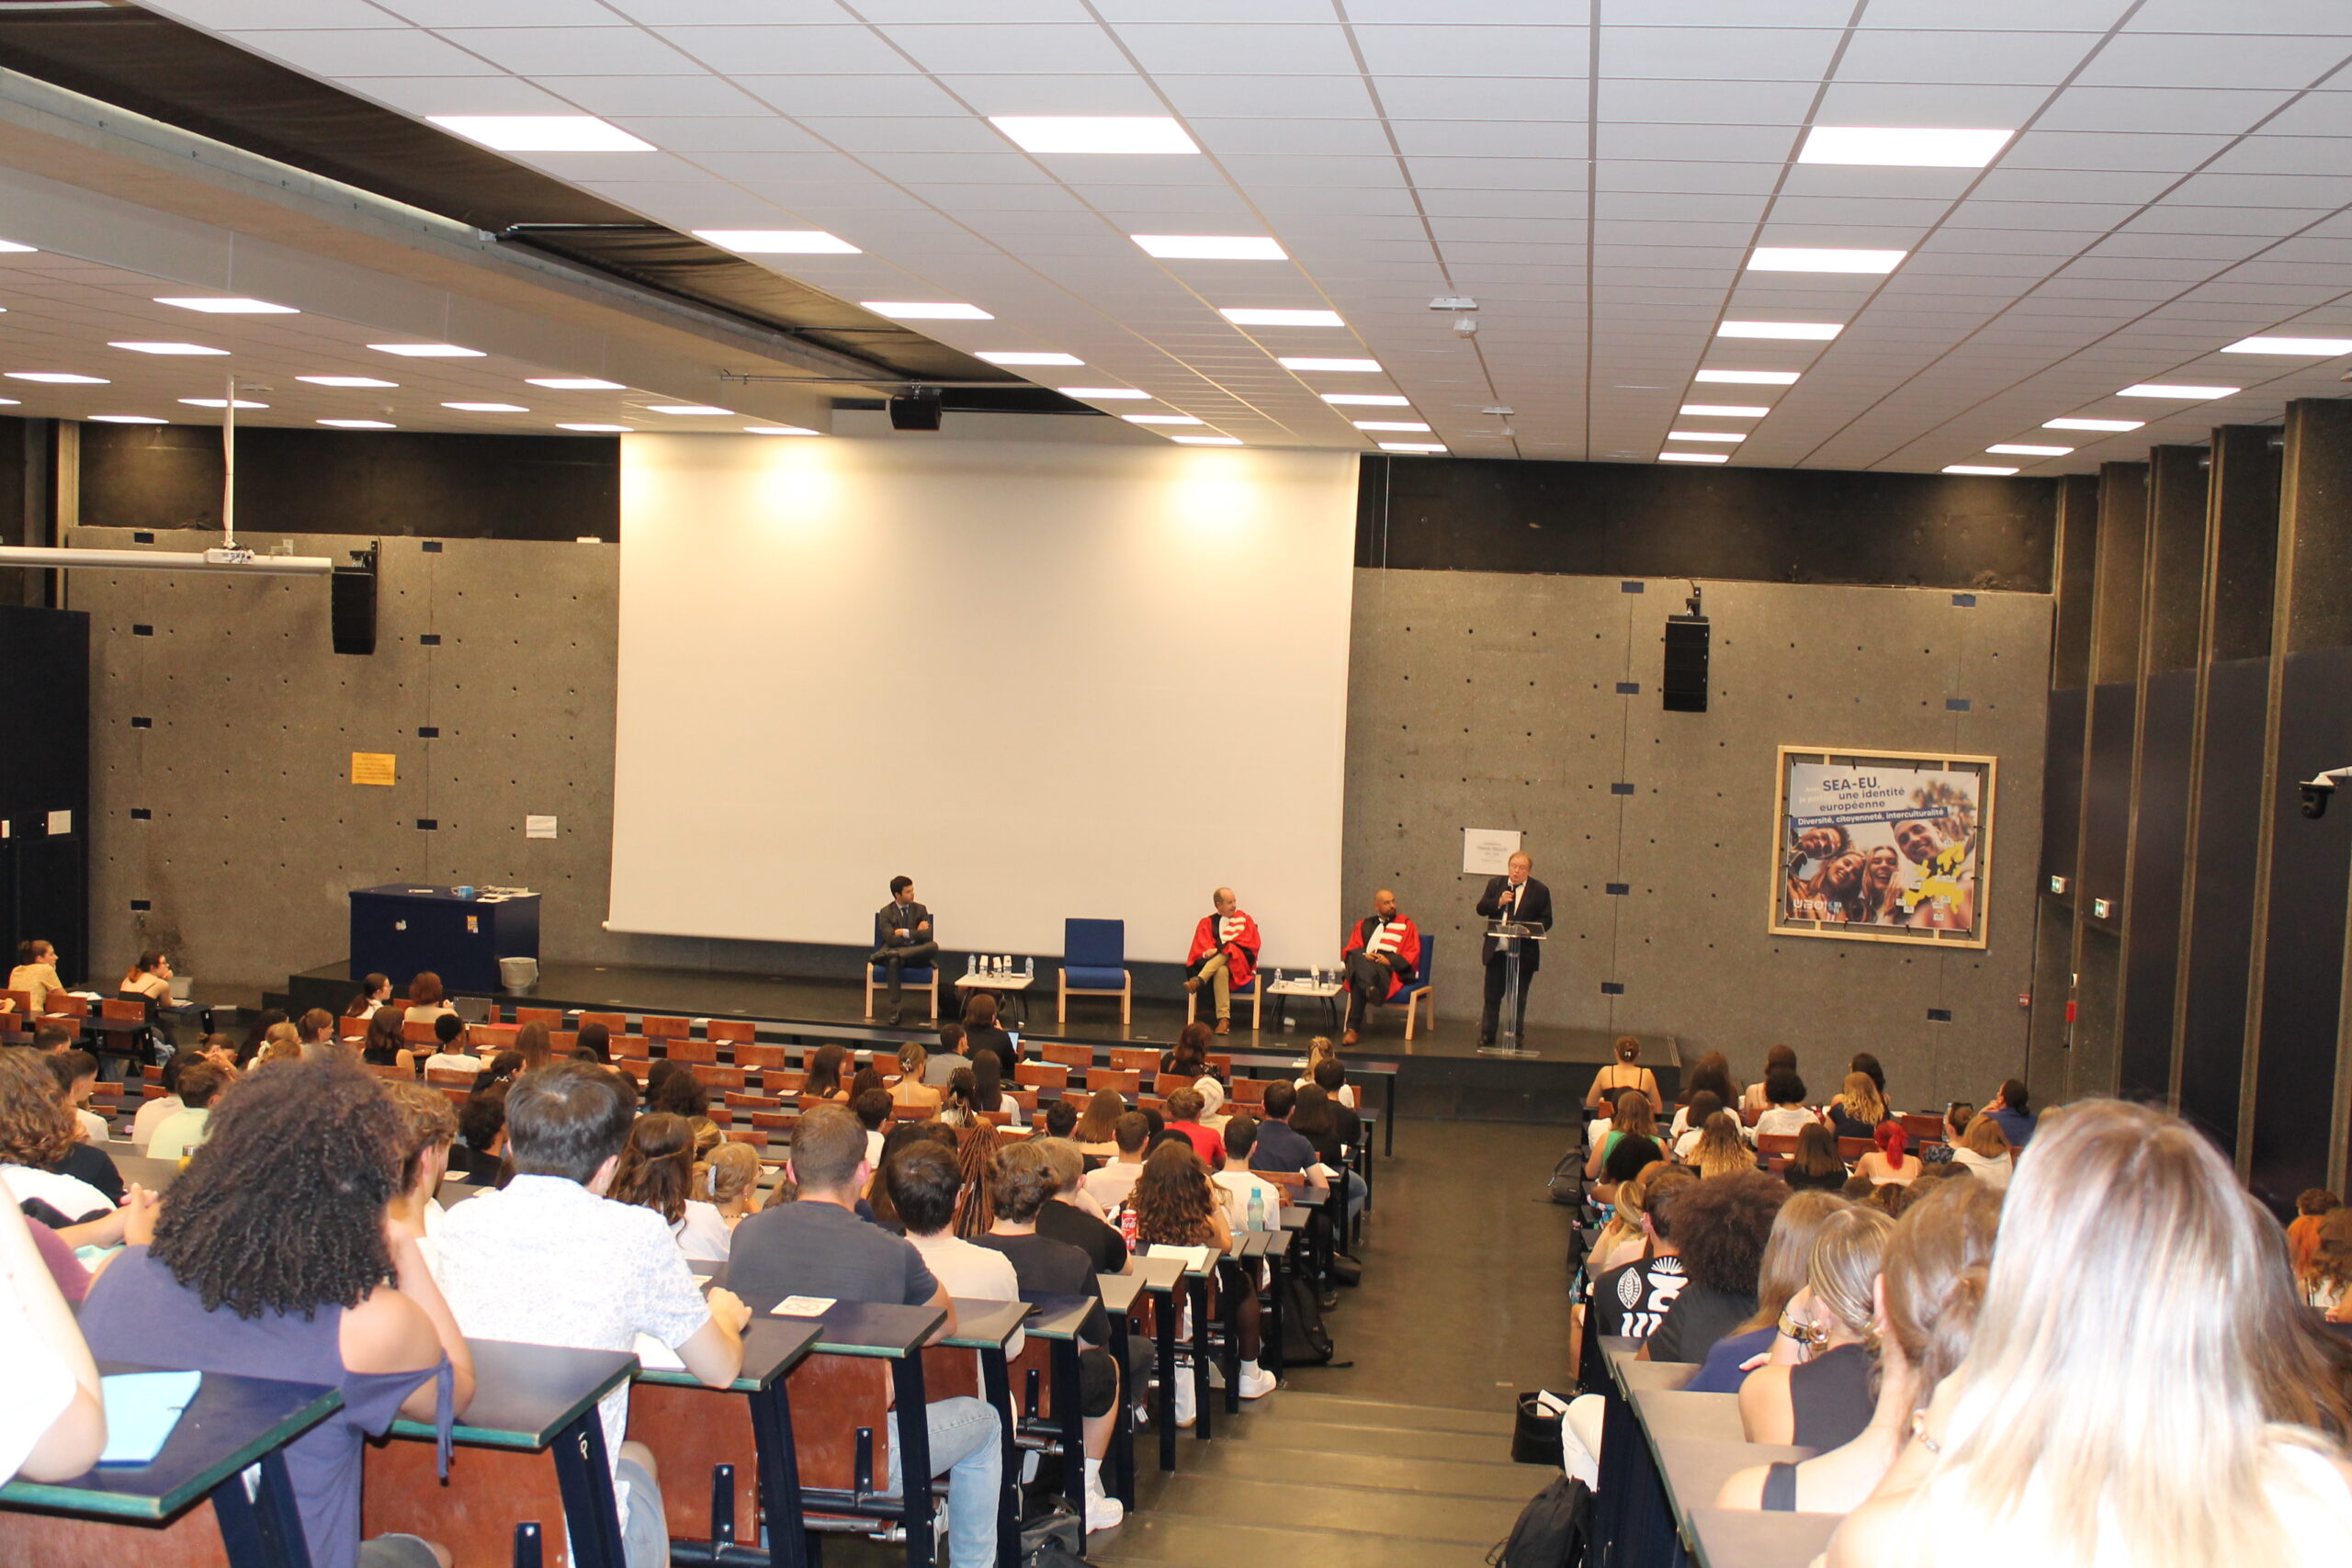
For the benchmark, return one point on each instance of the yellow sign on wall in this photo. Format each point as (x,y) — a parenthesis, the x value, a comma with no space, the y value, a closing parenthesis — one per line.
(371,767)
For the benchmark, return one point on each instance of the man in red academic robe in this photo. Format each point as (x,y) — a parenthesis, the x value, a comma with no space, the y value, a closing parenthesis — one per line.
(1224,956)
(1384,949)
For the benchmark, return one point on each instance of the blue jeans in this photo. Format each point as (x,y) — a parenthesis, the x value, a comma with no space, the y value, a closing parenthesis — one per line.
(967,1442)
(1355,1190)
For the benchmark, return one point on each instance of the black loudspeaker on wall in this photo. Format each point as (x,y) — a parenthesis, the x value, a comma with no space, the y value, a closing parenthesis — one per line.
(352,612)
(917,409)
(1685,687)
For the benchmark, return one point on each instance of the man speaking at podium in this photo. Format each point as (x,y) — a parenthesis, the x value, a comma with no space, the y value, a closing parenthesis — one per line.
(1514,899)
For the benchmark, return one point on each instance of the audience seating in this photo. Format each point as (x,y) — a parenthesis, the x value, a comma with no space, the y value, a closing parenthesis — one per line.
(1042,1075)
(666,1028)
(679,1049)
(614,1022)
(1094,958)
(1770,1143)
(1079,1057)
(1851,1150)
(1125,1083)
(417,1032)
(551,1017)
(735,1028)
(1132,1059)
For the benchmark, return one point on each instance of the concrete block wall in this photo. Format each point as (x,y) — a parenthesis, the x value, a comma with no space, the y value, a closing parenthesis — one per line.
(1490,700)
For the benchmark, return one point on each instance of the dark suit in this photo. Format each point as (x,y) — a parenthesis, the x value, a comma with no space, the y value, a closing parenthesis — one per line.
(916,950)
(1534,908)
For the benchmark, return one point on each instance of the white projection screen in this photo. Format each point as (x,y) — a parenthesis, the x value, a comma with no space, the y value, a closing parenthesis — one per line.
(1043,680)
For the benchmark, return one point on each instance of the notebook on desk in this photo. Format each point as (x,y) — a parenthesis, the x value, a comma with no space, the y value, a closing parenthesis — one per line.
(141,1410)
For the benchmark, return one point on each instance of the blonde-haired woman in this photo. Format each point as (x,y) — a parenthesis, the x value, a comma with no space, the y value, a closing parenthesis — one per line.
(1928,1294)
(1721,1151)
(2128,1247)
(728,1180)
(1815,1388)
(1983,1151)
(1859,1108)
(1788,1258)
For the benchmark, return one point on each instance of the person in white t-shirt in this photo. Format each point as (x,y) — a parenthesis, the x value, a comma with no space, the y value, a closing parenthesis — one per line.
(657,1170)
(1784,1114)
(1983,1151)
(1235,1186)
(448,1052)
(1109,1185)
(548,1260)
(924,1183)
(176,1135)
(54,1423)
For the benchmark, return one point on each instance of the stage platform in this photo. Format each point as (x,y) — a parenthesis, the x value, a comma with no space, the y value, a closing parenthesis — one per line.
(1441,1074)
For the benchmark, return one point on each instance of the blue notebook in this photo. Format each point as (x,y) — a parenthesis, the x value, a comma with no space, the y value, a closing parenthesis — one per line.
(141,1410)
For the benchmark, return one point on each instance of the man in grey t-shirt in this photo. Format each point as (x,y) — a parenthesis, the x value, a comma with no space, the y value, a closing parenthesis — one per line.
(819,1246)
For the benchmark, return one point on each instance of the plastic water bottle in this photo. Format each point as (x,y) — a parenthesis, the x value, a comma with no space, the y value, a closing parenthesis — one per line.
(1257,1210)
(1029,967)
(971,964)
(1128,1226)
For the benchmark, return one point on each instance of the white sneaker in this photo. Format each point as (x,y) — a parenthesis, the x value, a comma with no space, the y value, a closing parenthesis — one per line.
(1256,1382)
(1187,1403)
(1103,1512)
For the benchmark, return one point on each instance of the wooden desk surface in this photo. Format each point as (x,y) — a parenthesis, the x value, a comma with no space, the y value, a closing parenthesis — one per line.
(772,1347)
(986,1325)
(524,1395)
(231,1423)
(1742,1537)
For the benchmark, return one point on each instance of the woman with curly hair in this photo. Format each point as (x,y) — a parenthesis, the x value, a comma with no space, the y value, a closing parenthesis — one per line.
(657,1172)
(1721,1227)
(1176,1204)
(270,1257)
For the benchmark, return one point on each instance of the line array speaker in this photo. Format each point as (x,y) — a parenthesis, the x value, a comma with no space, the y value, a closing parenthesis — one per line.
(351,616)
(1684,689)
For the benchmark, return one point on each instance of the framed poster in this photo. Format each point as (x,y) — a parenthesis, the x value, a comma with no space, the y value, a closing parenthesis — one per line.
(1882,846)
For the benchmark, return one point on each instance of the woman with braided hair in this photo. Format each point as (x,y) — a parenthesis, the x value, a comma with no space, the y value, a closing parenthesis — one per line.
(272,1256)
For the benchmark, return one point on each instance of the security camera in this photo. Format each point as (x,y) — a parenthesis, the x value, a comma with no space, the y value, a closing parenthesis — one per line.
(2317,791)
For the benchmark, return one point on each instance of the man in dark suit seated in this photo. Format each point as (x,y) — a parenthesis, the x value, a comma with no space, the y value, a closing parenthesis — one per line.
(902,936)
(1513,899)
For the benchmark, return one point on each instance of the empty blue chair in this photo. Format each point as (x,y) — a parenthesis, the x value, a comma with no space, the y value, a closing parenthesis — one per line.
(1417,988)
(1094,964)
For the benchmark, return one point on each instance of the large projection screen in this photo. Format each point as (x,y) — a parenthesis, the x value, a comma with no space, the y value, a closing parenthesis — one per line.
(1042,680)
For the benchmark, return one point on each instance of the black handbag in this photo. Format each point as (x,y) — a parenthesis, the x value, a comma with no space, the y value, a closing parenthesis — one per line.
(1535,1435)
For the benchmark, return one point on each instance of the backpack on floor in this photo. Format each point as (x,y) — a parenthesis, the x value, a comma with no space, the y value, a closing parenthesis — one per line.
(1051,1538)
(1305,1342)
(1552,1531)
(1566,1186)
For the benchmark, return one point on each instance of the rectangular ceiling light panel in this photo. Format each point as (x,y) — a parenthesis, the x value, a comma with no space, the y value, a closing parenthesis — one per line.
(1210,247)
(1749,378)
(233,307)
(2293,347)
(1801,258)
(2105,424)
(1094,133)
(1722,410)
(541,132)
(1905,147)
(1246,317)
(2178,391)
(1798,332)
(926,310)
(1337,366)
(1028,357)
(779,241)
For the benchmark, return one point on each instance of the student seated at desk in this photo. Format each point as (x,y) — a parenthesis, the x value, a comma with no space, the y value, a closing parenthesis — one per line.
(270,1257)
(315,1028)
(1626,1073)
(45,1163)
(1067,1215)
(152,1111)
(919,1184)
(818,1247)
(657,1172)
(1023,1188)
(912,1096)
(2139,1342)
(1281,1147)
(1629,1143)
(547,1259)
(1785,1111)
(77,1078)
(1332,1130)
(951,1055)
(1710,1075)
(428,1130)
(449,1053)
(1176,1204)
(829,1073)
(1859,1108)
(1235,1185)
(53,1422)
(179,1134)
(479,1159)
(1185,1109)
(384,1045)
(426,1001)
(1926,1313)
(1816,1167)
(36,972)
(1631,1297)
(728,1179)
(1788,1259)
(871,1108)
(1982,1150)
(149,981)
(375,992)
(1815,1389)
(1720,1227)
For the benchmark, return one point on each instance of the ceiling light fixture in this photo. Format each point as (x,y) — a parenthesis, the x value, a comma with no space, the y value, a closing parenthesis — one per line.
(128,419)
(1027,356)
(2107,424)
(1105,393)
(1412,446)
(167,348)
(1094,133)
(1250,317)
(779,241)
(221,404)
(10,247)
(1694,456)
(233,306)
(428,350)
(575,384)
(1749,378)
(1211,247)
(1160,419)
(1984,468)
(57,378)
(2178,392)
(1905,147)
(1411,424)
(1206,440)
(487,407)
(1337,366)
(1367,399)
(1807,258)
(598,429)
(1703,436)
(1801,331)
(926,310)
(2293,347)
(345,381)
(542,132)
(356,424)
(706,410)
(2019,449)
(1722,410)
(778,430)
